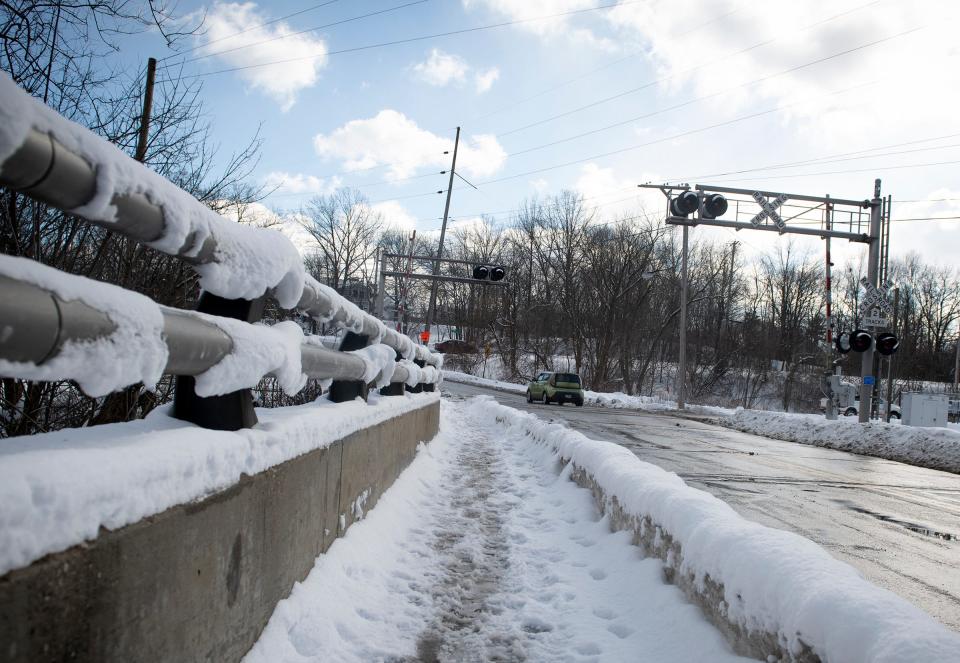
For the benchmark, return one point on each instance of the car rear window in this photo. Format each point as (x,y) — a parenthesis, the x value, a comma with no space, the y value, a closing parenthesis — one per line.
(568,377)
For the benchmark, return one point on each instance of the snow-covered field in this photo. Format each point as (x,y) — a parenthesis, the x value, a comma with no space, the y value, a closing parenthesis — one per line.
(485,550)
(934,448)
(57,489)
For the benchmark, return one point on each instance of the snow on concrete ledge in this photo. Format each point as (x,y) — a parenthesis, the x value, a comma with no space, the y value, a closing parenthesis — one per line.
(57,489)
(777,587)
(934,448)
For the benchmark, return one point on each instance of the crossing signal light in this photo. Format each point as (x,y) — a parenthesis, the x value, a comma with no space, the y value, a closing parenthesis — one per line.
(860,340)
(709,205)
(684,203)
(491,272)
(887,343)
(713,205)
(843,343)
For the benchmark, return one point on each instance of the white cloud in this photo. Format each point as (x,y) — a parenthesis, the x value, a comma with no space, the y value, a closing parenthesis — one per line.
(615,194)
(256,44)
(441,68)
(936,241)
(519,10)
(903,72)
(484,80)
(395,215)
(391,138)
(540,186)
(299,183)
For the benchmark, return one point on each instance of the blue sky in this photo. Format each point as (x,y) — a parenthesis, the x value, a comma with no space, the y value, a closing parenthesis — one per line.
(842,79)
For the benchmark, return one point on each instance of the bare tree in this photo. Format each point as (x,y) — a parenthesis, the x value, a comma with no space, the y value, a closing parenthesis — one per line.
(346,230)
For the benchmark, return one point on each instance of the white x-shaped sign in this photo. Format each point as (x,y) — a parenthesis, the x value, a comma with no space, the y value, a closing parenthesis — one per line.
(769,209)
(875,297)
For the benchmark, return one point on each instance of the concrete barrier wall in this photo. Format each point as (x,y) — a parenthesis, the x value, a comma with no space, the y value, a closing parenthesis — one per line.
(198,582)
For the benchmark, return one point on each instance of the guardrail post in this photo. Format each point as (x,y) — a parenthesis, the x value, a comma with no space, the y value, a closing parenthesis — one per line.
(419,386)
(231,411)
(342,391)
(394,388)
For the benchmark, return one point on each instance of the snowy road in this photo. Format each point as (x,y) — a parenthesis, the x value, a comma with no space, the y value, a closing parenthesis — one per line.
(483,551)
(898,524)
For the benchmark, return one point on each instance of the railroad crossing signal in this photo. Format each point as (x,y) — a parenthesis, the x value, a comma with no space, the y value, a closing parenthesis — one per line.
(769,209)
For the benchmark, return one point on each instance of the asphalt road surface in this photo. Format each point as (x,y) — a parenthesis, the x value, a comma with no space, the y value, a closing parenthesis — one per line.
(898,524)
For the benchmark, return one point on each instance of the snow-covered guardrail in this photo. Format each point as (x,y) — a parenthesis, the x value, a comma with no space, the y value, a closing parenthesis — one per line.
(57,326)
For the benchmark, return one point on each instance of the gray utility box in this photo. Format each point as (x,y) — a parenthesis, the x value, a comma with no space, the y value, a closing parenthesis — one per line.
(924,409)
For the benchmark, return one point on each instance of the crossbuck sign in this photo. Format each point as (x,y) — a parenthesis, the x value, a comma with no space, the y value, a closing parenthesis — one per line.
(769,209)
(875,307)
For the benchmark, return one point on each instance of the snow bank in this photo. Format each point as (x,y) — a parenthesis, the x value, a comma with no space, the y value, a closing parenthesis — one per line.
(935,448)
(134,352)
(57,489)
(466,378)
(249,261)
(772,582)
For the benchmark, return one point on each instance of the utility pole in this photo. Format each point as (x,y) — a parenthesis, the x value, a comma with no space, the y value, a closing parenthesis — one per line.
(443,231)
(956,366)
(873,265)
(382,286)
(896,315)
(141,153)
(682,368)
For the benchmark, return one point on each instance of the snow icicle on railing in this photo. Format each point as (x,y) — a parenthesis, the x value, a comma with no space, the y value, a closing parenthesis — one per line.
(58,326)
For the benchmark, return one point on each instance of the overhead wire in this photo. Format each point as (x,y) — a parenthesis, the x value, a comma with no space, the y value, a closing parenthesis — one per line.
(689,70)
(711,95)
(249,29)
(300,32)
(410,40)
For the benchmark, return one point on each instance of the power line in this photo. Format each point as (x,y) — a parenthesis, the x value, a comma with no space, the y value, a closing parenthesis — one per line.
(709,96)
(708,63)
(300,32)
(682,134)
(824,159)
(856,170)
(596,70)
(409,40)
(252,27)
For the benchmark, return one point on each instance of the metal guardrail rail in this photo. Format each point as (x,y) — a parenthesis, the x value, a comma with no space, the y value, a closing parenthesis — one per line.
(38,322)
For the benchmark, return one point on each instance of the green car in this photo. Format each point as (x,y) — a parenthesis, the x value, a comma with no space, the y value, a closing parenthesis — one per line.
(556,388)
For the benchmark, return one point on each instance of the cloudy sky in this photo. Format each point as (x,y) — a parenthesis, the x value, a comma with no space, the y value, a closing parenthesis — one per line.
(817,97)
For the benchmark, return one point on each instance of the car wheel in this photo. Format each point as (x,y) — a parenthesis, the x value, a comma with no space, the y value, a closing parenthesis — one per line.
(578,403)
(560,402)
(850,412)
(895,415)
(529,396)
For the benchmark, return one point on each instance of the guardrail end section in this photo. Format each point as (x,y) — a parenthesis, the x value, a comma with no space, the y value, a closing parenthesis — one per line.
(342,391)
(231,411)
